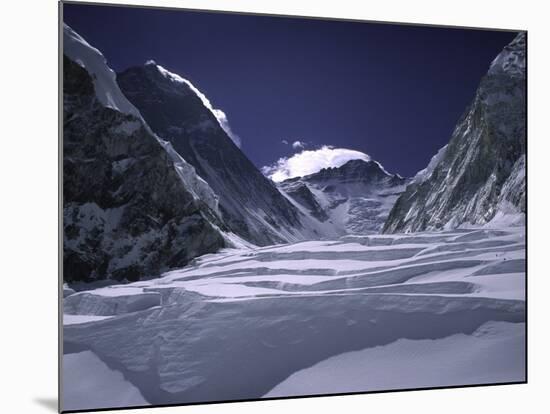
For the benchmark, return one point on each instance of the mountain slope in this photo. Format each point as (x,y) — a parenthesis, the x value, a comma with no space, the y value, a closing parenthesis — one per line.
(132,207)
(352,199)
(250,204)
(480,174)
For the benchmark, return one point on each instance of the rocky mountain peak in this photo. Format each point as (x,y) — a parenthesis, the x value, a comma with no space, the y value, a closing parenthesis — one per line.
(178,112)
(479,175)
(512,59)
(357,170)
(132,208)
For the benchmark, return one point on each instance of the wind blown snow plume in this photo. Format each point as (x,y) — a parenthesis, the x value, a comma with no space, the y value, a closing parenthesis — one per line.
(218,113)
(311,161)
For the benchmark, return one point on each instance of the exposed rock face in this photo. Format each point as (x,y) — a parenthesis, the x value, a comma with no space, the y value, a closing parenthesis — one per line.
(131,208)
(480,174)
(301,194)
(251,205)
(352,199)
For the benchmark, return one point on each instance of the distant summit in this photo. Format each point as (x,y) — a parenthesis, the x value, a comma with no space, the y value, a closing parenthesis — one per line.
(354,198)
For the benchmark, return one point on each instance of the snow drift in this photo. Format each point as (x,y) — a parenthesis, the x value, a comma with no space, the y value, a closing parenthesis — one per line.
(236,324)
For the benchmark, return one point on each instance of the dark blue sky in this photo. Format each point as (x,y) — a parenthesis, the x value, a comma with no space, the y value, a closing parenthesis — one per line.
(394,92)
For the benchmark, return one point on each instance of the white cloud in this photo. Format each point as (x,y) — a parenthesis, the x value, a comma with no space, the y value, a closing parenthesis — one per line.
(311,161)
(298,145)
(218,113)
(284,141)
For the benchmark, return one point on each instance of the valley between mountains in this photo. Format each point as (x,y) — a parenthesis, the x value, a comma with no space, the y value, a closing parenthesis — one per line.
(191,276)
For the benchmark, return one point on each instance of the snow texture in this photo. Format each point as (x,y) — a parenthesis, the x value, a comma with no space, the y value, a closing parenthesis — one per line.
(494,353)
(339,307)
(352,314)
(86,378)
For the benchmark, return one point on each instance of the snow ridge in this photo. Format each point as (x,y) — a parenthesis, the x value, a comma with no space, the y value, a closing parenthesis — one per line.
(427,172)
(247,310)
(127,189)
(110,95)
(220,115)
(104,78)
(251,205)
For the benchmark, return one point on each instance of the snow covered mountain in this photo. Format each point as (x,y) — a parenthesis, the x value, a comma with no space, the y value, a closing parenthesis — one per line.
(132,207)
(355,198)
(479,176)
(154,178)
(250,204)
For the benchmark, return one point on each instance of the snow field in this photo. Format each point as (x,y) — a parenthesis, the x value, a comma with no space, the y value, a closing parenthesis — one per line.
(355,314)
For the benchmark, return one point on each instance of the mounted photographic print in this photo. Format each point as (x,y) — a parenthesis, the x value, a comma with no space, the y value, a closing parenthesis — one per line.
(258,206)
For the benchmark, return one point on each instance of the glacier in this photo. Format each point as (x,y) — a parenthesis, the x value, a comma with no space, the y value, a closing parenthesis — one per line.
(224,285)
(258,322)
